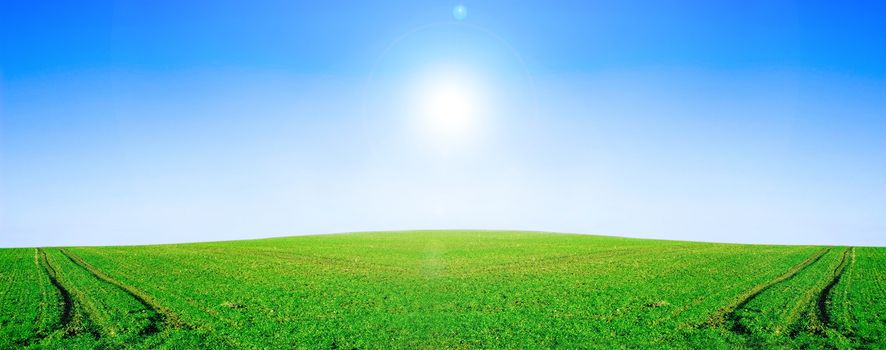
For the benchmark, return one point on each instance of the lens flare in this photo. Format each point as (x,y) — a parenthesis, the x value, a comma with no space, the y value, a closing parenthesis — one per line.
(460,12)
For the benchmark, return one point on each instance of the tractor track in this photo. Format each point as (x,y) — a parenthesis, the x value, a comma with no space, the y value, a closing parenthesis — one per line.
(817,304)
(67,313)
(823,316)
(66,299)
(729,313)
(161,317)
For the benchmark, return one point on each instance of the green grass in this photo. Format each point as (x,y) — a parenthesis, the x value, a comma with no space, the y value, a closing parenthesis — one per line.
(443,289)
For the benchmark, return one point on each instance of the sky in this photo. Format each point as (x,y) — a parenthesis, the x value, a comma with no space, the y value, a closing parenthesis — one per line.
(137,122)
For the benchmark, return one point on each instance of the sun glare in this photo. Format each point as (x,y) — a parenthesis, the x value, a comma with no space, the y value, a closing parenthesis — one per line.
(450,105)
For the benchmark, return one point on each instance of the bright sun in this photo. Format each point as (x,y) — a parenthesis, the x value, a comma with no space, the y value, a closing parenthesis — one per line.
(450,105)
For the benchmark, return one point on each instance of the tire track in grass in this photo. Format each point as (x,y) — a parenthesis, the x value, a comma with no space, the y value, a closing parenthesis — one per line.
(45,298)
(729,313)
(819,318)
(172,319)
(67,301)
(41,263)
(161,317)
(822,303)
(703,297)
(69,317)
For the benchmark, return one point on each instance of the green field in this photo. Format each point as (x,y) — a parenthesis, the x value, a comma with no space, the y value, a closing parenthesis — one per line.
(443,289)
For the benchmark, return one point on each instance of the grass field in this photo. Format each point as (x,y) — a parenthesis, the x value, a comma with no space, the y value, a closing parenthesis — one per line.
(443,289)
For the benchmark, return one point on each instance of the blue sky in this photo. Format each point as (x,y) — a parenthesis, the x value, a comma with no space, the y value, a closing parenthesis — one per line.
(146,122)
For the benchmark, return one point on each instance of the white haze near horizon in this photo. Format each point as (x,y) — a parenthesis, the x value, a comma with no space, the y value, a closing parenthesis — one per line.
(688,155)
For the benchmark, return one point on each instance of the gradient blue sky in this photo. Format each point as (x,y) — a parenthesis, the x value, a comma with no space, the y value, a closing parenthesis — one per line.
(130,122)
